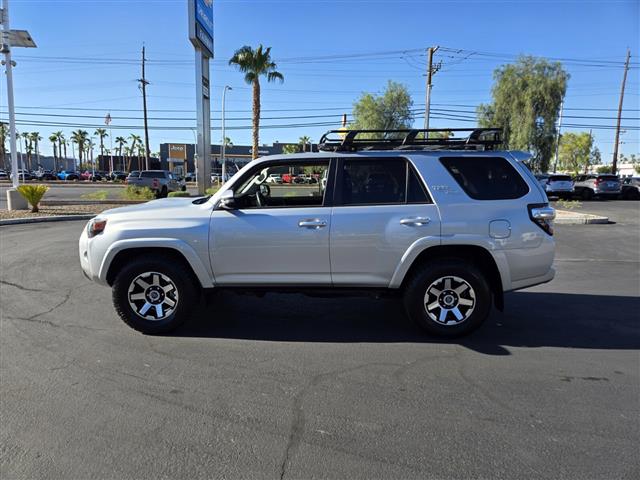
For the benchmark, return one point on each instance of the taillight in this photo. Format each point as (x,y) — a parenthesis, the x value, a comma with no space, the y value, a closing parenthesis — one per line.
(598,181)
(542,215)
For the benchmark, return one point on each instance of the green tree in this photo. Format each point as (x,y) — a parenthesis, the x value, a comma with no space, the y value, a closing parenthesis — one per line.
(4,131)
(54,143)
(28,148)
(575,149)
(604,169)
(596,157)
(102,134)
(290,148)
(526,102)
(80,138)
(304,141)
(254,64)
(36,138)
(389,111)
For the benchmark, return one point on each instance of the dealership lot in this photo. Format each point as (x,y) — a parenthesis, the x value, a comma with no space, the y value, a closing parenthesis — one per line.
(292,387)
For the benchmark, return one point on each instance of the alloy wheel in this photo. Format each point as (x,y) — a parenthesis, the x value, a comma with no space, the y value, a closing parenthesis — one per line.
(153,296)
(449,300)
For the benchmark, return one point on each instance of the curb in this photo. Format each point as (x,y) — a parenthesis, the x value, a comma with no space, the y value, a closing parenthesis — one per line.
(53,218)
(60,203)
(572,218)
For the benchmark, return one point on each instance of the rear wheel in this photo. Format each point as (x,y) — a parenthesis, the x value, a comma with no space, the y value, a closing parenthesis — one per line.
(448,298)
(587,194)
(154,295)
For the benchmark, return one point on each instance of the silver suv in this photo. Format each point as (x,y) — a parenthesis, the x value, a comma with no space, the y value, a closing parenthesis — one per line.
(597,185)
(447,224)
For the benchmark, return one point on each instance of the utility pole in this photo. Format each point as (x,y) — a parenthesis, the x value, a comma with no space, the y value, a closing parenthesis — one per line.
(223,146)
(614,164)
(555,162)
(431,70)
(586,166)
(143,82)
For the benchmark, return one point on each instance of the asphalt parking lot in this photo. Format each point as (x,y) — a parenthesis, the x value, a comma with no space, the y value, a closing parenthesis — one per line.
(291,387)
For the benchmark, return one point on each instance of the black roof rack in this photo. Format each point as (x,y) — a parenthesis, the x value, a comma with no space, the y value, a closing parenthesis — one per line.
(413,139)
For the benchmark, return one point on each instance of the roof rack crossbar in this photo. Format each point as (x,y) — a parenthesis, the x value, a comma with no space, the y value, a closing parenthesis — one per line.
(353,140)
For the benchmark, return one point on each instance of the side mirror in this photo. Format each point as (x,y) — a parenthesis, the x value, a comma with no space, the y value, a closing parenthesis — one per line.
(227,200)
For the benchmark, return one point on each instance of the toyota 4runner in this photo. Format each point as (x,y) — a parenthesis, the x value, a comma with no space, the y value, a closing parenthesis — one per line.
(447,224)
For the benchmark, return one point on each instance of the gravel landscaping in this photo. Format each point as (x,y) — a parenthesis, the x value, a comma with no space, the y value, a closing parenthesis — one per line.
(48,211)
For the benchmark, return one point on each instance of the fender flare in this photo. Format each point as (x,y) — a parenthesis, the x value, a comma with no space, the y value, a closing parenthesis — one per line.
(202,273)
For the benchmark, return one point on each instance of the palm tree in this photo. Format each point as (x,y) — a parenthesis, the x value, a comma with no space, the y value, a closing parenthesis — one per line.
(121,142)
(57,137)
(128,152)
(228,142)
(102,134)
(54,143)
(3,139)
(254,64)
(135,139)
(304,141)
(27,149)
(80,137)
(35,137)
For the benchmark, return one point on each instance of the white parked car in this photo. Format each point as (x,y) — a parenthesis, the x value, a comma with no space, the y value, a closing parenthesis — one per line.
(448,230)
(274,178)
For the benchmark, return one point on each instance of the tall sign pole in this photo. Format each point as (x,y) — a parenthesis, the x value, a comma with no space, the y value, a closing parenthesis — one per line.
(201,36)
(614,164)
(555,162)
(12,38)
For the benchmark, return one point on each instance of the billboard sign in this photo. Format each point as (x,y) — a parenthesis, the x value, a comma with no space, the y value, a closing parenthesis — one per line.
(177,151)
(201,25)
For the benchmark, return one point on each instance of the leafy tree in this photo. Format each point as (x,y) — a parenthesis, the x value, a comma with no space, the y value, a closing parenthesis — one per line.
(254,64)
(575,149)
(4,131)
(595,157)
(290,148)
(604,169)
(526,102)
(637,169)
(389,111)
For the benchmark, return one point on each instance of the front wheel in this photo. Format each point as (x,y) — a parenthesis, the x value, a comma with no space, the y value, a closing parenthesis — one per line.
(154,295)
(448,298)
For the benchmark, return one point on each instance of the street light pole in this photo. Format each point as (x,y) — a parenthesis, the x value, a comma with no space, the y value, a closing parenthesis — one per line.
(223,147)
(6,49)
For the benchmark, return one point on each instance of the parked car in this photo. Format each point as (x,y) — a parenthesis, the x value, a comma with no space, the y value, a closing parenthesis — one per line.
(274,178)
(23,175)
(90,176)
(43,175)
(542,178)
(190,177)
(450,246)
(597,185)
(68,176)
(630,188)
(134,174)
(559,186)
(162,182)
(3,175)
(116,175)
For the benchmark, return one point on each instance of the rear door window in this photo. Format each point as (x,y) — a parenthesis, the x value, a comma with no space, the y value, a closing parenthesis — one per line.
(380,181)
(486,178)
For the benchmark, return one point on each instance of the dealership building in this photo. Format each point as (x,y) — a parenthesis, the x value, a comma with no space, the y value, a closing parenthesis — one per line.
(179,157)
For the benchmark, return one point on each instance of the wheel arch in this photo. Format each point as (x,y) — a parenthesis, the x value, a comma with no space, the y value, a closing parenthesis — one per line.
(115,260)
(475,254)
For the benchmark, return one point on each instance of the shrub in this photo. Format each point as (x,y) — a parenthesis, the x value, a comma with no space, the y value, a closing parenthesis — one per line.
(132,192)
(568,204)
(604,169)
(211,190)
(99,195)
(33,194)
(179,194)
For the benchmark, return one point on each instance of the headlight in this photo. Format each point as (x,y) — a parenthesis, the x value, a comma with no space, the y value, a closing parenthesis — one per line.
(96,226)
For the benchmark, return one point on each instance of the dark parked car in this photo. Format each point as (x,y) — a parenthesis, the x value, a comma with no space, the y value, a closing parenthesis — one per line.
(45,175)
(116,175)
(630,188)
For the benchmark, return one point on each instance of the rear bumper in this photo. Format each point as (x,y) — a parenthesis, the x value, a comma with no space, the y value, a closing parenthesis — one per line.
(531,282)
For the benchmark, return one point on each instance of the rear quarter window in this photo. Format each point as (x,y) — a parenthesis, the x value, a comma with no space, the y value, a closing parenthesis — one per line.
(486,178)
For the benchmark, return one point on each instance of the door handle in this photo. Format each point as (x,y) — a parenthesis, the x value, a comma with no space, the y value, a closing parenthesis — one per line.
(312,223)
(415,221)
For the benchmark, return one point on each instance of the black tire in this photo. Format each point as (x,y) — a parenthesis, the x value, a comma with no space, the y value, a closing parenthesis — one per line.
(178,273)
(415,295)
(587,194)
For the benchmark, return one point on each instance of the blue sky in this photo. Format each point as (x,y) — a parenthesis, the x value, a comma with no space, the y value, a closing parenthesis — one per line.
(85,63)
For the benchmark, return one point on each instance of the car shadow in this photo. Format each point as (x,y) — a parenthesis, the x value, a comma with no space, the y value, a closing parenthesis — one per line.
(531,319)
